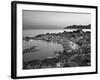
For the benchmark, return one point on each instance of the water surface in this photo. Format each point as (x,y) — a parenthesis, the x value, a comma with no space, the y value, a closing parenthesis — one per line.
(45,49)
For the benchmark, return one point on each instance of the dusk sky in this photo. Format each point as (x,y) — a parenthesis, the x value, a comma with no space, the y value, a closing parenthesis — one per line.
(53,20)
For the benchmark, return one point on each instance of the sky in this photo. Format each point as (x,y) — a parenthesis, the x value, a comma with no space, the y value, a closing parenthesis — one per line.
(53,20)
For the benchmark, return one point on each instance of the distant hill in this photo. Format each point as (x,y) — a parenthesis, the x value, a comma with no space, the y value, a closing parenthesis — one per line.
(78,27)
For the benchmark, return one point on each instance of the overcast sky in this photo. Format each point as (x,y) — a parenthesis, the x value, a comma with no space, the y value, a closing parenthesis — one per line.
(53,20)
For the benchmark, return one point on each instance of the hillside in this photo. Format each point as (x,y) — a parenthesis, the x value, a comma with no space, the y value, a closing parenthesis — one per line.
(78,27)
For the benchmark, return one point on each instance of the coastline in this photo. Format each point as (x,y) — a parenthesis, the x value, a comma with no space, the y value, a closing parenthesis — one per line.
(69,41)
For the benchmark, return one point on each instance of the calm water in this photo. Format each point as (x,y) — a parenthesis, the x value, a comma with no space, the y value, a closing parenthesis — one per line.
(45,49)
(32,32)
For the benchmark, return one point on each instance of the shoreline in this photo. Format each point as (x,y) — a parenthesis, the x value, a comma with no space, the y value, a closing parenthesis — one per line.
(70,43)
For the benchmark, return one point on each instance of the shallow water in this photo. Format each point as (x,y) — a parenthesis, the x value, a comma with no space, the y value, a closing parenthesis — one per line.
(45,49)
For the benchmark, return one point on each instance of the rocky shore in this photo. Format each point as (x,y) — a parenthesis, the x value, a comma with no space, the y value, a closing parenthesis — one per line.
(76,52)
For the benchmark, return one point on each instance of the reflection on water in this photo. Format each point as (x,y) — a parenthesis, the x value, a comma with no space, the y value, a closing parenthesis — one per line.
(46,49)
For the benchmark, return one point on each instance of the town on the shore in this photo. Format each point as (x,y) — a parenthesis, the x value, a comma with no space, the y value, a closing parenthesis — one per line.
(76,53)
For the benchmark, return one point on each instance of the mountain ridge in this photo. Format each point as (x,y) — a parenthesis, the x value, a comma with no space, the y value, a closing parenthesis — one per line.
(78,27)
